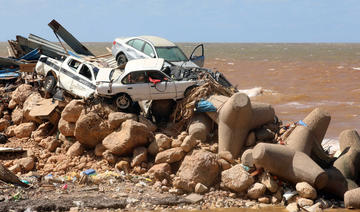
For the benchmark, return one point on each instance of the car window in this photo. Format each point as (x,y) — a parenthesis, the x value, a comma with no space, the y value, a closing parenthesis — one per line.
(172,54)
(134,78)
(138,44)
(74,64)
(148,50)
(85,71)
(156,75)
(130,42)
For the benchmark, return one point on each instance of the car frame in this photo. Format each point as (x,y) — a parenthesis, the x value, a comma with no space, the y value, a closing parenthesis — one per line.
(141,47)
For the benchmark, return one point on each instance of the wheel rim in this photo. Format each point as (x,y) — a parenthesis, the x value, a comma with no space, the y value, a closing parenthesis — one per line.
(48,84)
(123,102)
(121,60)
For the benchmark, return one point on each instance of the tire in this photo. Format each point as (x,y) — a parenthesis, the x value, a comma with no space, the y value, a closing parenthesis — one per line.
(121,59)
(123,101)
(49,84)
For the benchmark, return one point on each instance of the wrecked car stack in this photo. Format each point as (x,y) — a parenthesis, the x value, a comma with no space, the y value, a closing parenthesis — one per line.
(202,136)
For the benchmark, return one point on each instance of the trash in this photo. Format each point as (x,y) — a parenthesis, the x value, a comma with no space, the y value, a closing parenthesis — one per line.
(11,150)
(64,187)
(88,172)
(25,181)
(205,106)
(288,194)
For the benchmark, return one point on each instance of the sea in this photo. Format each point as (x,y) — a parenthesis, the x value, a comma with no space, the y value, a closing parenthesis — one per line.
(295,78)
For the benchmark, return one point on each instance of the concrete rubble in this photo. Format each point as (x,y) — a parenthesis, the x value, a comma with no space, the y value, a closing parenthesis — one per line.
(241,155)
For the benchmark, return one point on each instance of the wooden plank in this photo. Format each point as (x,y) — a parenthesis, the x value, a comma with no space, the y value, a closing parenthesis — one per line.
(28,68)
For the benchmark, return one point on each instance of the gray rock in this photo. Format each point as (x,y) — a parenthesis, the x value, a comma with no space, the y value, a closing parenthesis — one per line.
(236,179)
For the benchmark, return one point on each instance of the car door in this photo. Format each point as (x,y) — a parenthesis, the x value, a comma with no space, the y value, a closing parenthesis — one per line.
(67,73)
(161,86)
(136,85)
(135,49)
(83,84)
(197,56)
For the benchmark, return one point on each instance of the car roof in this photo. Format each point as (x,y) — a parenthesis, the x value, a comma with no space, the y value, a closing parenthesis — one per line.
(157,41)
(144,65)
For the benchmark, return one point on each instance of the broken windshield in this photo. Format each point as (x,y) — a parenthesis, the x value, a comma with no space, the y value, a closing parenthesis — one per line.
(172,54)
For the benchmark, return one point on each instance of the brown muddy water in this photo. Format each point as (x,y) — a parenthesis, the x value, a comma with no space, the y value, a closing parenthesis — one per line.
(294,78)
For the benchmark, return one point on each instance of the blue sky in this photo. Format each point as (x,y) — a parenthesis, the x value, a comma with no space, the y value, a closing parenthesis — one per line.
(187,20)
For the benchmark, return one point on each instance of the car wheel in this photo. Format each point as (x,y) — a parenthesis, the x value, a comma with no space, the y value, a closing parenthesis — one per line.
(49,84)
(121,59)
(123,101)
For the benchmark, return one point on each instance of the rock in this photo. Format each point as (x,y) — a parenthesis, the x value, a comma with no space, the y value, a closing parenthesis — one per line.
(10,131)
(91,129)
(303,202)
(66,128)
(152,127)
(3,138)
(115,119)
(352,198)
(236,179)
(77,149)
(227,156)
(17,115)
(170,156)
(247,159)
(109,157)
(194,198)
(41,132)
(99,149)
(21,93)
(4,124)
(265,200)
(139,156)
(315,208)
(27,164)
(188,143)
(31,102)
(256,190)
(161,143)
(178,141)
(269,182)
(15,168)
(24,130)
(52,144)
(160,171)
(131,135)
(12,104)
(305,190)
(277,197)
(123,166)
(292,207)
(198,167)
(251,139)
(224,164)
(72,111)
(200,188)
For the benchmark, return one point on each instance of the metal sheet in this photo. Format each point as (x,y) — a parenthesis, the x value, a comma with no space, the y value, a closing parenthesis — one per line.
(69,39)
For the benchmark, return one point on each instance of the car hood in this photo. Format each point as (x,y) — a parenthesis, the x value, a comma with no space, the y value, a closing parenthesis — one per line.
(187,64)
(103,75)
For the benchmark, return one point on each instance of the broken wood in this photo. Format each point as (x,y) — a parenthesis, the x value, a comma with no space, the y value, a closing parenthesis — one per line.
(7,176)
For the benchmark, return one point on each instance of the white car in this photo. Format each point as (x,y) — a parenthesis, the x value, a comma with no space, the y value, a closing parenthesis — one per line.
(143,79)
(130,48)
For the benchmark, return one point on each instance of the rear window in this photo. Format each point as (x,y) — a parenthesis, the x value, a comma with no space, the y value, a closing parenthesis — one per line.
(148,50)
(172,54)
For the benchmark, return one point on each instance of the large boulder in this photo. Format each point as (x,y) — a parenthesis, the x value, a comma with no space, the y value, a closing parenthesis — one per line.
(256,191)
(66,128)
(139,156)
(305,190)
(42,131)
(17,115)
(161,143)
(29,104)
(24,130)
(72,111)
(77,149)
(26,164)
(236,179)
(91,129)
(131,135)
(115,119)
(160,171)
(21,93)
(198,167)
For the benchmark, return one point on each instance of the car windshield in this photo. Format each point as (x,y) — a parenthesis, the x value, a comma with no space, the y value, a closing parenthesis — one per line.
(172,54)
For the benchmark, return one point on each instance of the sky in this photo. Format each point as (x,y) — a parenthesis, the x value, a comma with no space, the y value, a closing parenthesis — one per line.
(186,20)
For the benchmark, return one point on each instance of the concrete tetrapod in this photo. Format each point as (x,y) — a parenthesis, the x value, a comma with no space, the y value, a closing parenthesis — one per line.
(337,183)
(301,139)
(236,116)
(347,138)
(234,119)
(291,165)
(352,198)
(200,126)
(349,163)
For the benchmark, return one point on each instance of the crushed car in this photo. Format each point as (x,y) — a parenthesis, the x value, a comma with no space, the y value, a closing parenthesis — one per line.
(130,48)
